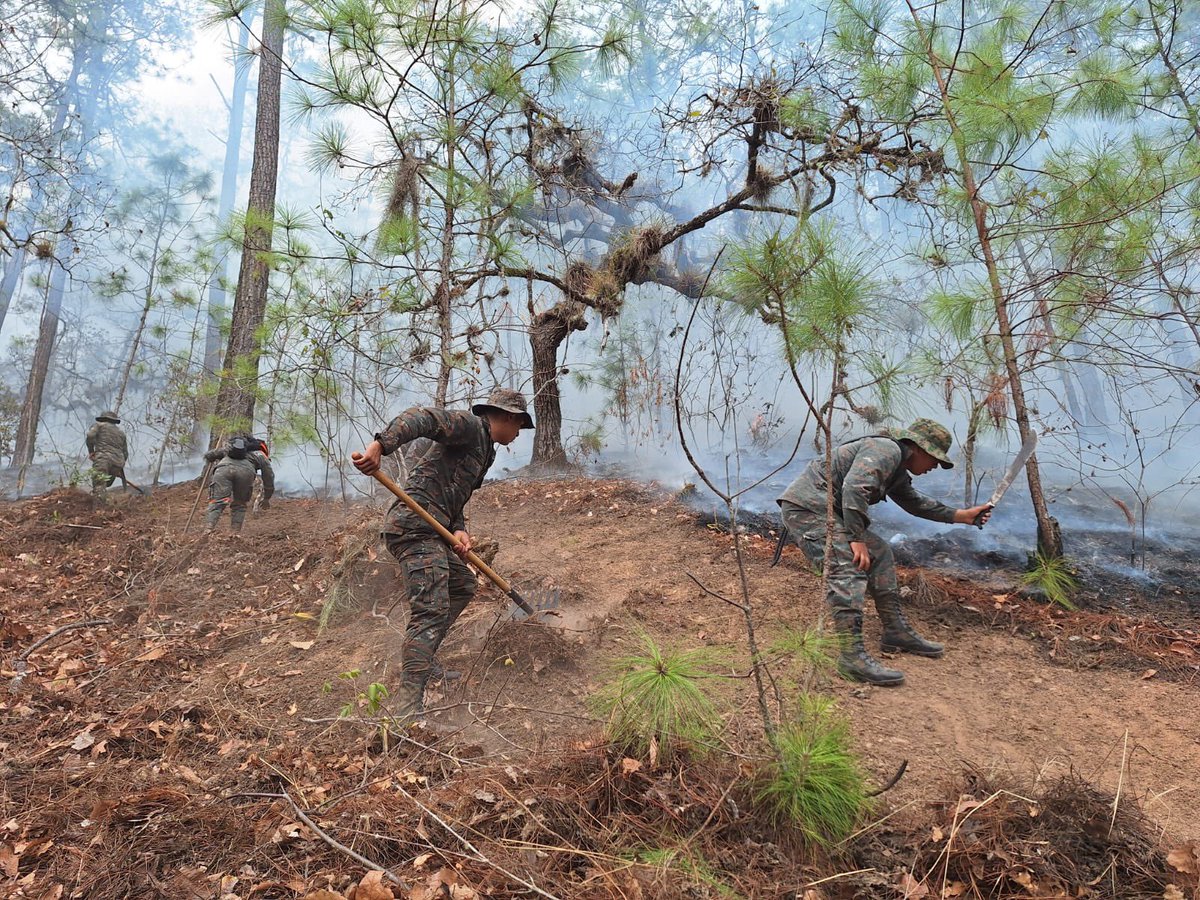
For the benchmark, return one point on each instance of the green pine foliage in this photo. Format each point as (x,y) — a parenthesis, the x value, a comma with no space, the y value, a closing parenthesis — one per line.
(1053,576)
(816,782)
(656,705)
(813,648)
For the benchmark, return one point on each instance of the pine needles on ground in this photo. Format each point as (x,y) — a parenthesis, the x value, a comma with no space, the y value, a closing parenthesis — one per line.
(656,706)
(815,783)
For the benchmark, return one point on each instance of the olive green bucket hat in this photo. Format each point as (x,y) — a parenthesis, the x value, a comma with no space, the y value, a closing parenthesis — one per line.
(109,416)
(931,437)
(507,401)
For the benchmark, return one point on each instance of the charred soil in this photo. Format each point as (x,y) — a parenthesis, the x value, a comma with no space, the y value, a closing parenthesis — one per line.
(206,737)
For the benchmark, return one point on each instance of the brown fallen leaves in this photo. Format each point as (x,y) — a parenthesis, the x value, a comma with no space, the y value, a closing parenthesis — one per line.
(442,884)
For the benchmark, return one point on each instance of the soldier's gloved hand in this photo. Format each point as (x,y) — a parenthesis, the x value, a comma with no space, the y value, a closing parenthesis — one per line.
(213,455)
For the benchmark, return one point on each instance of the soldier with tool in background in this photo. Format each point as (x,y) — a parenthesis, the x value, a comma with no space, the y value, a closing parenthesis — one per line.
(108,449)
(232,480)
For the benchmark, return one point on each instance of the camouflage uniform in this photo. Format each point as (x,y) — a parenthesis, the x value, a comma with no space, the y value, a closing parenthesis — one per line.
(108,450)
(865,471)
(232,483)
(447,455)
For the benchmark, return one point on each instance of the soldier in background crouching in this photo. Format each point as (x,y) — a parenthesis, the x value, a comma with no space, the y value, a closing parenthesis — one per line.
(866,471)
(232,480)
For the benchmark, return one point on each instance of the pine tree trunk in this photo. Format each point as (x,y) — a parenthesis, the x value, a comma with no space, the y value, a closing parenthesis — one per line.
(16,263)
(1049,537)
(31,407)
(444,294)
(229,183)
(147,302)
(239,378)
(969,446)
(547,332)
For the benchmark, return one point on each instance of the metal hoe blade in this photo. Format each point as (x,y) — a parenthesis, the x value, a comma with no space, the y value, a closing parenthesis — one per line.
(542,601)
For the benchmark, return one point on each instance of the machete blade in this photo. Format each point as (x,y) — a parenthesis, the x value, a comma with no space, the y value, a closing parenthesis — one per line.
(1018,463)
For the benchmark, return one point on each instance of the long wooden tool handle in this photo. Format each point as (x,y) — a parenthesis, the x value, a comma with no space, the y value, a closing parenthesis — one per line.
(449,538)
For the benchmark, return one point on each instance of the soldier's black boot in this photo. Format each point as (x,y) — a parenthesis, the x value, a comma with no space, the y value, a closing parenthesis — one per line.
(440,673)
(410,701)
(898,634)
(855,663)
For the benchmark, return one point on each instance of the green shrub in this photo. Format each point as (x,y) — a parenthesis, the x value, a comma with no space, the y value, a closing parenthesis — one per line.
(655,706)
(815,782)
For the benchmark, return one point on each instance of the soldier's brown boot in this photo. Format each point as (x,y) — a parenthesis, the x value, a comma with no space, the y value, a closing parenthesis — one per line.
(855,663)
(898,635)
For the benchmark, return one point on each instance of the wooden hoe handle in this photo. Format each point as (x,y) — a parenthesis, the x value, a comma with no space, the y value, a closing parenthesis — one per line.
(449,538)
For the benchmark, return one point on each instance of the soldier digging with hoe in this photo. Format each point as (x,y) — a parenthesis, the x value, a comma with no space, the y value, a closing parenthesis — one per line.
(867,471)
(448,455)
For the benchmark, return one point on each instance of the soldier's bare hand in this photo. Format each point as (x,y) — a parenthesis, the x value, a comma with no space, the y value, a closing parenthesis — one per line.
(862,558)
(367,462)
(983,512)
(463,545)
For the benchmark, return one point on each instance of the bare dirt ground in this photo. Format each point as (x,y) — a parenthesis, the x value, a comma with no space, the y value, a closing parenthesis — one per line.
(161,753)
(997,700)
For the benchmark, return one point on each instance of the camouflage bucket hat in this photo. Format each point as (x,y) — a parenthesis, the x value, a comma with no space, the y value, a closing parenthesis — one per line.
(507,401)
(109,416)
(931,437)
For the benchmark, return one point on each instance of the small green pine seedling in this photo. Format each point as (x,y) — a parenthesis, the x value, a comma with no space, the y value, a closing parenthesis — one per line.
(815,782)
(656,703)
(1054,577)
(813,648)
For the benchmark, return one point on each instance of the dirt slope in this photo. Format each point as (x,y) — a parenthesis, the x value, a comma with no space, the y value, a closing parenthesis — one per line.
(995,701)
(136,755)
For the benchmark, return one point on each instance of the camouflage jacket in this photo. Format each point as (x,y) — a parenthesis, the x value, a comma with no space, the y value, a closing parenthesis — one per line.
(107,441)
(865,471)
(447,455)
(257,462)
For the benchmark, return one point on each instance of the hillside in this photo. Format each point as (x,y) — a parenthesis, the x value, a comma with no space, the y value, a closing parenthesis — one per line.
(195,743)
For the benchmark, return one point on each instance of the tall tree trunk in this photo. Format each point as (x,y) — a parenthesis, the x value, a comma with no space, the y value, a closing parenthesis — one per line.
(229,182)
(969,447)
(31,407)
(445,294)
(1049,538)
(547,332)
(239,377)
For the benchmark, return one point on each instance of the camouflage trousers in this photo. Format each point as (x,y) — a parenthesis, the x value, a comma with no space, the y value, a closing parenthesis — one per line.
(439,587)
(230,486)
(847,585)
(104,473)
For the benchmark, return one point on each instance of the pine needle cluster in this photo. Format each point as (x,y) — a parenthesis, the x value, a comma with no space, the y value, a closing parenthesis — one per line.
(656,705)
(1054,577)
(815,782)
